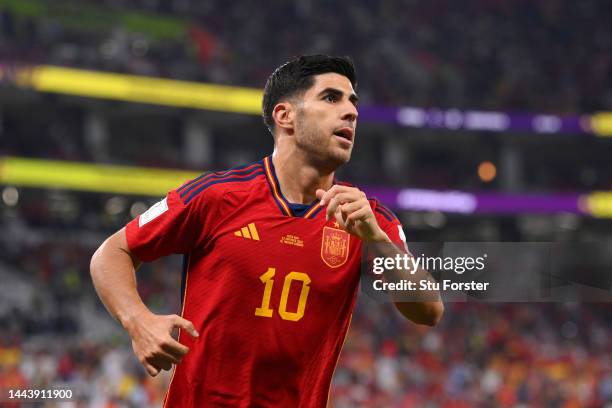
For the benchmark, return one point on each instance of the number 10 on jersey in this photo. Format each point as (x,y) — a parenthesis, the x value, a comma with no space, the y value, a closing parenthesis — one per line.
(268,280)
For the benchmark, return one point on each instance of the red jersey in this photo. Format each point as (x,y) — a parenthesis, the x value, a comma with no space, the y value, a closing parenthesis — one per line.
(270,291)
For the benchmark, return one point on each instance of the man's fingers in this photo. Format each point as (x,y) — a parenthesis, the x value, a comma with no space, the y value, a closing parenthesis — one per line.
(184,324)
(349,208)
(341,199)
(163,361)
(332,207)
(319,193)
(170,352)
(154,345)
(151,370)
(159,358)
(329,194)
(360,214)
(351,219)
(172,357)
(175,348)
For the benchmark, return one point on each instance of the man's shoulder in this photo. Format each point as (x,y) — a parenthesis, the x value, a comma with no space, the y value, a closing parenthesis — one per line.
(211,185)
(382,210)
(377,206)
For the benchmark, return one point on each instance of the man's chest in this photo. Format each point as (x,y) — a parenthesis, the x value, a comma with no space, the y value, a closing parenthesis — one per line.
(283,268)
(254,247)
(252,240)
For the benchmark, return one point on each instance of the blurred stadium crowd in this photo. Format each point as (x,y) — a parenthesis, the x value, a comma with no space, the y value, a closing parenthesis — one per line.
(544,56)
(549,55)
(507,356)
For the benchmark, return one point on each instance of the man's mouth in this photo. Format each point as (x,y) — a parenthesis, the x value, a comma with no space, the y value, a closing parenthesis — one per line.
(345,133)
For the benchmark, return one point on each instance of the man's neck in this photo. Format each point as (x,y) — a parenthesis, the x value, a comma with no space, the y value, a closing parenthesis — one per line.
(299,179)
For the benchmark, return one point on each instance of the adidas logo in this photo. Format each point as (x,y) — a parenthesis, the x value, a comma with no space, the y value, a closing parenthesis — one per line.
(249,232)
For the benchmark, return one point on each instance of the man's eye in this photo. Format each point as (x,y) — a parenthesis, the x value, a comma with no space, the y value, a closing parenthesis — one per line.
(331,98)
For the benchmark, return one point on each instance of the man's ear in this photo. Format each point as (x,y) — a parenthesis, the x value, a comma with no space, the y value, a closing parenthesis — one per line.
(284,115)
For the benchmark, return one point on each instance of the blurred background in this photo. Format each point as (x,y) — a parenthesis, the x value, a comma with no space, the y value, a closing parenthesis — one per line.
(480,120)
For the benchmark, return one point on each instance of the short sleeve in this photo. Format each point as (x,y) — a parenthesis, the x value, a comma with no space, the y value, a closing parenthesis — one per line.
(170,226)
(389,223)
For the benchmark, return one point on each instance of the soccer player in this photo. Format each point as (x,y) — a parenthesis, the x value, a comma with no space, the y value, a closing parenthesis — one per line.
(273,256)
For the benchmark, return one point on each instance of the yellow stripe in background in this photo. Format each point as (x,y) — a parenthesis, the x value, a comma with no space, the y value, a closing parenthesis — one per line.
(156,182)
(168,92)
(598,204)
(601,124)
(134,88)
(91,177)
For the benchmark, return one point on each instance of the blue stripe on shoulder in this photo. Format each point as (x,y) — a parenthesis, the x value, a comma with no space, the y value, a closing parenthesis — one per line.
(388,211)
(218,173)
(219,176)
(385,214)
(191,181)
(388,214)
(222,180)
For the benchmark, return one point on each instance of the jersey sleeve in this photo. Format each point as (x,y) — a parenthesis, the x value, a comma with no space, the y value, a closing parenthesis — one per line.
(389,223)
(170,226)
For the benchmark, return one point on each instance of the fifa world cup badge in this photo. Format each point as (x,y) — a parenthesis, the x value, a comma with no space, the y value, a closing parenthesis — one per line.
(334,247)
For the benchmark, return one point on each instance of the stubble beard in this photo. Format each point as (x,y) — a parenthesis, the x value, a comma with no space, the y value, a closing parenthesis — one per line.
(316,144)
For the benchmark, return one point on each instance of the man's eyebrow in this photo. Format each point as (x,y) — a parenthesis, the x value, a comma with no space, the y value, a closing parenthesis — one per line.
(337,92)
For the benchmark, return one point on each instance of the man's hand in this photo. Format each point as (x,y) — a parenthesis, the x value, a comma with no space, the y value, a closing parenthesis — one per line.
(153,343)
(352,210)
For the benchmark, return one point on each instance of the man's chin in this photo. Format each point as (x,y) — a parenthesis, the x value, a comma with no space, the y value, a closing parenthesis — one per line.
(330,159)
(339,158)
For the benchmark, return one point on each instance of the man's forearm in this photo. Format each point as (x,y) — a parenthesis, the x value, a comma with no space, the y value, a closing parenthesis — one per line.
(423,306)
(113,274)
(113,270)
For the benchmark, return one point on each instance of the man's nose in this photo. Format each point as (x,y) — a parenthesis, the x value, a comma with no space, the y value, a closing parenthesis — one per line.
(351,113)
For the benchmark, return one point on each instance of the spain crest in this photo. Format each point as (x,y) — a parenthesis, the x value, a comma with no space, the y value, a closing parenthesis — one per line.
(334,247)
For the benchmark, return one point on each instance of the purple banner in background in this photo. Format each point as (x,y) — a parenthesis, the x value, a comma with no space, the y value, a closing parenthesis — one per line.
(527,203)
(470,203)
(491,121)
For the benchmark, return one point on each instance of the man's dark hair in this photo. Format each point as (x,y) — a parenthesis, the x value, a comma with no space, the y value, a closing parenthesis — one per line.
(297,76)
